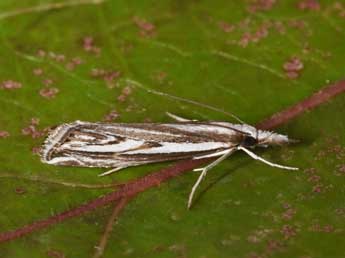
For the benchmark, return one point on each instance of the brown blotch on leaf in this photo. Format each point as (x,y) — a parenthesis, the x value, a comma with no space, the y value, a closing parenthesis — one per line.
(20,190)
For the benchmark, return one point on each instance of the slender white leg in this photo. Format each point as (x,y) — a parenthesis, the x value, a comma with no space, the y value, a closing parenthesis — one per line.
(254,156)
(204,172)
(111,171)
(216,154)
(178,118)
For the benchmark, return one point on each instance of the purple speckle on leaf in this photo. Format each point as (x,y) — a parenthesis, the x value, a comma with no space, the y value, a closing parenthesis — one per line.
(226,27)
(109,76)
(10,85)
(113,115)
(49,93)
(89,46)
(126,91)
(41,53)
(37,71)
(260,5)
(312,5)
(4,134)
(293,67)
(73,63)
(288,231)
(32,130)
(48,82)
(147,29)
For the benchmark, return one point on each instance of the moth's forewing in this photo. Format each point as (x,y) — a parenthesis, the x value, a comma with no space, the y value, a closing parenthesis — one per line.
(122,145)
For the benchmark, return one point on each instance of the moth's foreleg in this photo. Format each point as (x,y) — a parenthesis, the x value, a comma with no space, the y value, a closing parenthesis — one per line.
(178,118)
(111,171)
(256,157)
(215,154)
(204,171)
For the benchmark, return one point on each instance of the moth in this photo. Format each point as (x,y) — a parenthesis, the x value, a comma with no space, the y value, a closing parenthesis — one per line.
(121,145)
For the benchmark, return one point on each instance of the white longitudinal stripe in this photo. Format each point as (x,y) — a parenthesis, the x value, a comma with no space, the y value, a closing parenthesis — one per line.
(195,128)
(82,161)
(136,130)
(84,137)
(173,147)
(59,160)
(118,147)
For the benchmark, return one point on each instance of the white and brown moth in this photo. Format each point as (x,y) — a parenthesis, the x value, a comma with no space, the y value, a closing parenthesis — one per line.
(121,145)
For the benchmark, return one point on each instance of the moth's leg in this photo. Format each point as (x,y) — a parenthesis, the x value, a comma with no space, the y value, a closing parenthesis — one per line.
(111,171)
(254,156)
(178,118)
(215,154)
(204,170)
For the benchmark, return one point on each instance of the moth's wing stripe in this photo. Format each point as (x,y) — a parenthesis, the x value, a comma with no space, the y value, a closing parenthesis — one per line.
(171,147)
(129,144)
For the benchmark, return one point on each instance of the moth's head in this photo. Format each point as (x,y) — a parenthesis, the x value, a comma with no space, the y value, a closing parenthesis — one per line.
(256,137)
(266,138)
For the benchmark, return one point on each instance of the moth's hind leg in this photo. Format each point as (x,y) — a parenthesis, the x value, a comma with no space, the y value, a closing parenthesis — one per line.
(224,154)
(106,173)
(178,118)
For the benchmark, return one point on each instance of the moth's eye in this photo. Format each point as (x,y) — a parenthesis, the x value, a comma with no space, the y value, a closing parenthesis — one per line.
(249,141)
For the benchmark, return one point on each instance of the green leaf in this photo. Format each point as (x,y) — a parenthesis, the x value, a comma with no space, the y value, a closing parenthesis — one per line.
(84,60)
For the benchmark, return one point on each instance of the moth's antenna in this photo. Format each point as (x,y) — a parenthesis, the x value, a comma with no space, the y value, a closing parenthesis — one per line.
(193,102)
